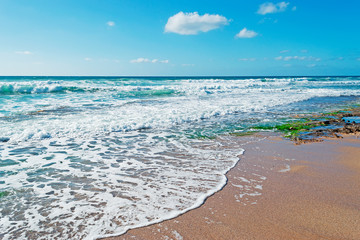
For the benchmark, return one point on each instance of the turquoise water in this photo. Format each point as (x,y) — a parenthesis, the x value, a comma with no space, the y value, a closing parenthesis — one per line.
(117,153)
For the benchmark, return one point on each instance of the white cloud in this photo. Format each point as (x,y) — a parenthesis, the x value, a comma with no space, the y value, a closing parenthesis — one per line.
(193,23)
(244,33)
(110,23)
(287,58)
(187,65)
(269,7)
(146,60)
(87,59)
(300,58)
(304,51)
(311,65)
(140,60)
(247,59)
(314,59)
(293,8)
(284,51)
(358,59)
(24,52)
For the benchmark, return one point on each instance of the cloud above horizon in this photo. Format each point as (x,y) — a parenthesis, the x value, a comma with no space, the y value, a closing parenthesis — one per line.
(247,59)
(270,7)
(24,52)
(193,23)
(146,60)
(245,33)
(301,58)
(110,23)
(284,51)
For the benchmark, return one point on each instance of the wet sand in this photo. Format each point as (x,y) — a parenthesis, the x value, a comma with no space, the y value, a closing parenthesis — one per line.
(278,190)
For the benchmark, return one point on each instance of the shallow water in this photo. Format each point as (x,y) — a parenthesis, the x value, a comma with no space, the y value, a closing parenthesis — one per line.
(82,157)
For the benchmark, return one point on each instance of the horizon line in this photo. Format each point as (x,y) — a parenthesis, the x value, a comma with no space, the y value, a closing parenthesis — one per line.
(178,76)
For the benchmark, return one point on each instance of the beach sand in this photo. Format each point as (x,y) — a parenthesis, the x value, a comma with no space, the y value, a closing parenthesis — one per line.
(278,190)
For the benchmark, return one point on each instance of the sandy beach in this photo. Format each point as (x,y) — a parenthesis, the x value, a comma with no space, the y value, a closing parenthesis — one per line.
(278,190)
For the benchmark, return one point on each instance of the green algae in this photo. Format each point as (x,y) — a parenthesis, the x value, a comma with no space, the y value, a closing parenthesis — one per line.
(293,129)
(263,127)
(335,113)
(4,194)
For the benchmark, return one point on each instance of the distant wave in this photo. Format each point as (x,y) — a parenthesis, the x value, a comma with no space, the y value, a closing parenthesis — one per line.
(148,93)
(13,89)
(40,88)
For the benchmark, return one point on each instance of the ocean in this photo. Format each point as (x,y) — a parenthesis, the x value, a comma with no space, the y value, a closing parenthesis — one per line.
(85,157)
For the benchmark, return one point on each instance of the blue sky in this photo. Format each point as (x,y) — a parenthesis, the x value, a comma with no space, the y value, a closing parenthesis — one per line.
(179,37)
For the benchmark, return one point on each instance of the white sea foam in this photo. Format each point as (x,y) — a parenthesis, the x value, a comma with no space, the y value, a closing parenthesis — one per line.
(87,158)
(286,169)
(83,114)
(112,190)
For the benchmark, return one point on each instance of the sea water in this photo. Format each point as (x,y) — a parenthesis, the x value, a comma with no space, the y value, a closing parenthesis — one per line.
(84,157)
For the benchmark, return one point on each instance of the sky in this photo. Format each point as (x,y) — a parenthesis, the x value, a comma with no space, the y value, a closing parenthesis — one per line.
(179,37)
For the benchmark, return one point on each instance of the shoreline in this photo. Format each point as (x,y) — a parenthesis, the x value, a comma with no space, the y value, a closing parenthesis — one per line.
(278,190)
